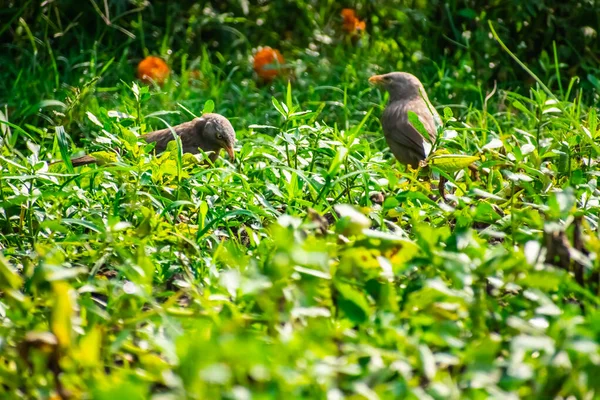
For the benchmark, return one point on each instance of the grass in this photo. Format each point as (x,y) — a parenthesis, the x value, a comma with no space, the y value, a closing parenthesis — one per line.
(313,266)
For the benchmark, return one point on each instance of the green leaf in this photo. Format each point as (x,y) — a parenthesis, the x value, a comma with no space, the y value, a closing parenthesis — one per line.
(203,210)
(119,115)
(337,161)
(123,387)
(288,96)
(9,277)
(353,303)
(448,113)
(519,106)
(94,119)
(414,120)
(209,107)
(187,110)
(427,362)
(52,103)
(360,125)
(517,177)
(484,212)
(390,202)
(87,224)
(278,107)
(4,131)
(487,195)
(452,162)
(468,13)
(89,347)
(63,145)
(129,137)
(62,313)
(104,157)
(352,221)
(161,113)
(136,91)
(594,81)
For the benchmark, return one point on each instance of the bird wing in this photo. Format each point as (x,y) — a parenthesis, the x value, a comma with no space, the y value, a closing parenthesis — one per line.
(408,137)
(162,137)
(428,116)
(191,136)
(400,133)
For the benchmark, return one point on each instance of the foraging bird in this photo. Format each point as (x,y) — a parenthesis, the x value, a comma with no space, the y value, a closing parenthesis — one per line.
(407,94)
(211,133)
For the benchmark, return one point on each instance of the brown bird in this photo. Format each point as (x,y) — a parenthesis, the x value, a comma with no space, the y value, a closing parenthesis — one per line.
(211,133)
(407,94)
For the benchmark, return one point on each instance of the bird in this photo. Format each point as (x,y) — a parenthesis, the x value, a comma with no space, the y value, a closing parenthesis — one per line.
(407,94)
(210,132)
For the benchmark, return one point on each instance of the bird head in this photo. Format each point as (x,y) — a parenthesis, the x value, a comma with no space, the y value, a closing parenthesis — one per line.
(400,85)
(218,133)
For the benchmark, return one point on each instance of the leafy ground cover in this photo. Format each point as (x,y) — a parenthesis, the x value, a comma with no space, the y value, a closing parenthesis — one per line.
(313,265)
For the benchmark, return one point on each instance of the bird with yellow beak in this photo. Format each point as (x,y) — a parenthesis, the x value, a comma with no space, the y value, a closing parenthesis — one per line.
(407,94)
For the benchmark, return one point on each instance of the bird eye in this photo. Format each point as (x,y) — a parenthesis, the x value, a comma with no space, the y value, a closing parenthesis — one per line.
(219,136)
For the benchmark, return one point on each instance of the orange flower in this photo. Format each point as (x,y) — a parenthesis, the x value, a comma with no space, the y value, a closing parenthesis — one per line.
(361,26)
(153,69)
(351,23)
(350,19)
(268,63)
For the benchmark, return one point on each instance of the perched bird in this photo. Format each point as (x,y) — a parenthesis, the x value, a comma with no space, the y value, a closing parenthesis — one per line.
(211,133)
(407,94)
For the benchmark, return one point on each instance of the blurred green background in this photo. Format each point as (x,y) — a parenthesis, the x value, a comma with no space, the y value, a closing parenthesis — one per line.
(65,44)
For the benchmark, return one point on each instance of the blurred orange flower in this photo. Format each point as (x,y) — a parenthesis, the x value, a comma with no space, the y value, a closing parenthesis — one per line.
(268,63)
(153,69)
(351,22)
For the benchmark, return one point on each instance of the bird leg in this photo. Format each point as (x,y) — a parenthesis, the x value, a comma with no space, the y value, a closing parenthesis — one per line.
(442,187)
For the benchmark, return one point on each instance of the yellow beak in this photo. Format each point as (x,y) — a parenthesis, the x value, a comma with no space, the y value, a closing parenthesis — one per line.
(229,151)
(376,79)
